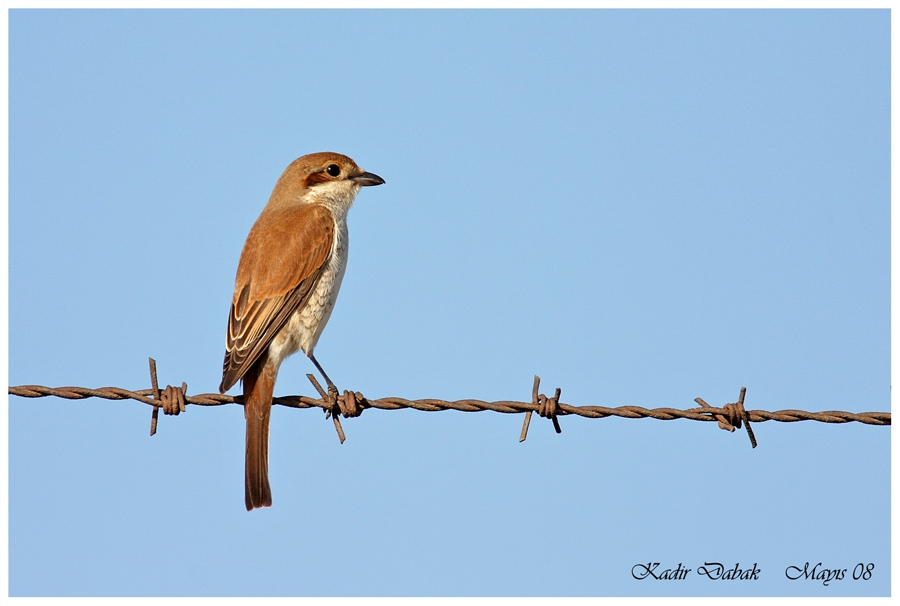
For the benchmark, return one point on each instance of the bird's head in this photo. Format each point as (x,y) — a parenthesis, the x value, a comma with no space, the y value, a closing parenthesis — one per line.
(324,177)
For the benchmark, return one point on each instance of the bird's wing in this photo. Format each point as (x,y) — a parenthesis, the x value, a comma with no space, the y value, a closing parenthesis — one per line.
(282,260)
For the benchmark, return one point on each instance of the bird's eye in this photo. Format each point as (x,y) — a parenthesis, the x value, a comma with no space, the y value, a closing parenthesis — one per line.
(334,170)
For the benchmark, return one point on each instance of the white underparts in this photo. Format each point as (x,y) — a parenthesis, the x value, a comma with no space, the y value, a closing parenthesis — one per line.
(303,330)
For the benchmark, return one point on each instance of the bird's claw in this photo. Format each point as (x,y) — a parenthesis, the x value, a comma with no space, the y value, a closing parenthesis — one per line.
(350,404)
(333,395)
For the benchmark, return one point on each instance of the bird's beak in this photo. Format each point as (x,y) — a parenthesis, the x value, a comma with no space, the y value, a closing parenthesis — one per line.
(367,179)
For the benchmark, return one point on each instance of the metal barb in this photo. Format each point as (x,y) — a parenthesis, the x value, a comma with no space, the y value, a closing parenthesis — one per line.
(555,401)
(154,416)
(173,399)
(534,401)
(736,416)
(315,383)
(333,411)
(546,407)
(746,417)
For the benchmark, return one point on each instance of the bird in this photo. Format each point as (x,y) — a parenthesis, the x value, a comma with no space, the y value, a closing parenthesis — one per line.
(288,278)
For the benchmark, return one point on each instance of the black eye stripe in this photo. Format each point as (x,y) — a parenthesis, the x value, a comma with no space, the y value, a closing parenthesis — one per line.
(333,169)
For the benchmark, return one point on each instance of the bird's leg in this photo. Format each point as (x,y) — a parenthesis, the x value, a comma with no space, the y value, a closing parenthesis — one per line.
(332,390)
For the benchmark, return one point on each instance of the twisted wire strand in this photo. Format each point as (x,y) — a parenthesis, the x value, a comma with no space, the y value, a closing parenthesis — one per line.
(468,405)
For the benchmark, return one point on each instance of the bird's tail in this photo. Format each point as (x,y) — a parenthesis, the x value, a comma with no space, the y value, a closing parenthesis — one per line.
(258,383)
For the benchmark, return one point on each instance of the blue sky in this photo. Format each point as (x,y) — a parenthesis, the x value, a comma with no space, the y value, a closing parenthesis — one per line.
(641,207)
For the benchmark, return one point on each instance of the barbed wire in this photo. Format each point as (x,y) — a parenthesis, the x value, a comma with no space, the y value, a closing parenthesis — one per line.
(351,404)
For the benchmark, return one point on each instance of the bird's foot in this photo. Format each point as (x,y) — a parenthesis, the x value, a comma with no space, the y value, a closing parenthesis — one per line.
(350,404)
(333,395)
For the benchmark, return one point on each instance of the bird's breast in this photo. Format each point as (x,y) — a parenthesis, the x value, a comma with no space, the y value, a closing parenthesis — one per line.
(303,330)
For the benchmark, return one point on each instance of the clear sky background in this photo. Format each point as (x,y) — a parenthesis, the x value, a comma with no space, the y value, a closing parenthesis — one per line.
(640,207)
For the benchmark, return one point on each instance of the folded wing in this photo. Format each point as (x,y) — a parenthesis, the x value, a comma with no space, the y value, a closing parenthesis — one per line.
(282,261)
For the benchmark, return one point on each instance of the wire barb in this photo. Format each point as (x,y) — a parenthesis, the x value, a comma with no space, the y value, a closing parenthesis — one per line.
(527,422)
(733,416)
(331,409)
(545,407)
(352,403)
(154,416)
(172,398)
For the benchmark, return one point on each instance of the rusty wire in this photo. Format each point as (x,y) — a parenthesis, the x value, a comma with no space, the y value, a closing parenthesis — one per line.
(351,404)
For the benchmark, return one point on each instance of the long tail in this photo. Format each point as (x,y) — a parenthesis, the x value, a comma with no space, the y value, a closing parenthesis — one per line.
(258,383)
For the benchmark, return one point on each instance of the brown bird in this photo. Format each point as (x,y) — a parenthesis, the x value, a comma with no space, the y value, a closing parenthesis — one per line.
(287,282)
